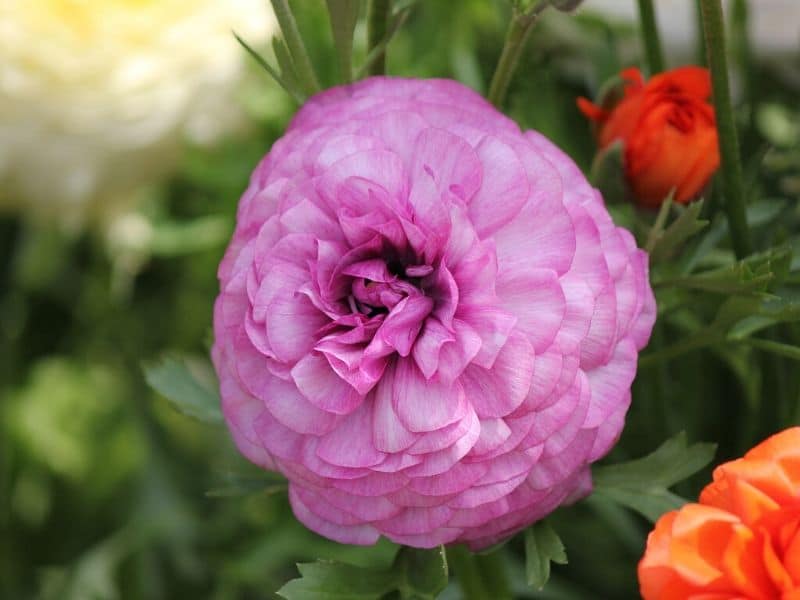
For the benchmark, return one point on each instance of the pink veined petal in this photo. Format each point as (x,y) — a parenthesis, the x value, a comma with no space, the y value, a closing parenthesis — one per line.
(429,344)
(348,182)
(350,442)
(598,345)
(366,509)
(610,382)
(493,433)
(503,192)
(363,535)
(443,165)
(388,432)
(542,236)
(322,387)
(493,325)
(416,521)
(536,299)
(424,405)
(292,326)
(401,326)
(498,391)
(456,479)
(433,441)
(454,358)
(290,408)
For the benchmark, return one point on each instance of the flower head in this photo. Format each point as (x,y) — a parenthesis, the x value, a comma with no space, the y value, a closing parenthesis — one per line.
(428,321)
(742,540)
(96,96)
(668,132)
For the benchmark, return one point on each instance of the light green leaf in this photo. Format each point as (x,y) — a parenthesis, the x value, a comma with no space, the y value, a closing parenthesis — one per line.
(343,15)
(189,384)
(422,574)
(642,484)
(542,546)
(303,68)
(329,580)
(286,83)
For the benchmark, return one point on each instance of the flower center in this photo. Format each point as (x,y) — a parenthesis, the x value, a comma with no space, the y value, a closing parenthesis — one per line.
(379,292)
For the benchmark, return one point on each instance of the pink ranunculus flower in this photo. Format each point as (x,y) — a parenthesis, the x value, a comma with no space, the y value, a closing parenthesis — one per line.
(428,321)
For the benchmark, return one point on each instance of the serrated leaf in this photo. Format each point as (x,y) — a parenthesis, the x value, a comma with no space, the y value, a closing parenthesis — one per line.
(421,574)
(662,244)
(189,384)
(752,274)
(415,574)
(329,580)
(343,15)
(642,484)
(542,546)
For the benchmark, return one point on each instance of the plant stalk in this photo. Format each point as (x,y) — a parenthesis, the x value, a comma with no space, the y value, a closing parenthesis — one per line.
(378,14)
(731,166)
(650,37)
(519,28)
(294,42)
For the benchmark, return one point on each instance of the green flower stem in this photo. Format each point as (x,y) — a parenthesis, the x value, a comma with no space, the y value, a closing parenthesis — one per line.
(731,167)
(518,30)
(480,576)
(378,13)
(302,63)
(650,37)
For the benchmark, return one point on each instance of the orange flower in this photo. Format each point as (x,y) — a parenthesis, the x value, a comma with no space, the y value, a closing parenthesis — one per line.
(741,541)
(668,130)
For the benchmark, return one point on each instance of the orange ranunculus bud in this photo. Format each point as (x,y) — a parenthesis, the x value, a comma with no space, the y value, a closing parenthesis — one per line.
(741,541)
(668,130)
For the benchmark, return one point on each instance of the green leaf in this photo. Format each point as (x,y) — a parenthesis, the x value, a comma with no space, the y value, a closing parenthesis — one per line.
(287,84)
(777,348)
(285,64)
(415,574)
(375,53)
(753,274)
(542,546)
(607,173)
(422,574)
(329,580)
(662,244)
(343,15)
(189,384)
(297,49)
(642,484)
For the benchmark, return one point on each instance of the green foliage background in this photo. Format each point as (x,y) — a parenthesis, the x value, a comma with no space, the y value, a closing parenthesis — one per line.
(107,492)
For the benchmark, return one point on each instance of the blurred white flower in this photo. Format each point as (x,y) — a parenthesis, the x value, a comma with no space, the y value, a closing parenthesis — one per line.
(97,96)
(774,24)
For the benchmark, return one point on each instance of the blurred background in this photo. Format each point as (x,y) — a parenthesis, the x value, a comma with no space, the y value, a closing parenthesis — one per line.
(128,130)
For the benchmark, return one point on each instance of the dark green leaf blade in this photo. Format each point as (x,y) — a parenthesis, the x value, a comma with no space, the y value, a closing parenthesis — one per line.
(542,546)
(642,484)
(189,384)
(421,574)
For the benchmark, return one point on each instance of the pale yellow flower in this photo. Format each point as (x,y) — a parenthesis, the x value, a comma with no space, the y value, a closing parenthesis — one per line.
(97,96)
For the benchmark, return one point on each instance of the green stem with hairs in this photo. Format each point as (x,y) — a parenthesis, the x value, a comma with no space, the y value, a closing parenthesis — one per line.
(650,37)
(522,22)
(731,166)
